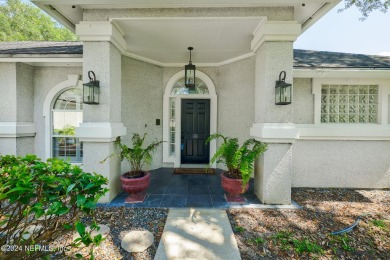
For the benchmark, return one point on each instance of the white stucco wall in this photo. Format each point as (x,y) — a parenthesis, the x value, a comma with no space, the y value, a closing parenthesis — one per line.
(8,92)
(142,102)
(236,103)
(7,146)
(346,164)
(271,59)
(24,92)
(45,78)
(303,101)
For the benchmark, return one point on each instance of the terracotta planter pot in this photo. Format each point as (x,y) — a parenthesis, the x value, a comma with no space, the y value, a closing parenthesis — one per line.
(232,186)
(135,185)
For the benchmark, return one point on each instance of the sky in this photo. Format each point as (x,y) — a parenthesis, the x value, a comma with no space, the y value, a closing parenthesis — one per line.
(344,32)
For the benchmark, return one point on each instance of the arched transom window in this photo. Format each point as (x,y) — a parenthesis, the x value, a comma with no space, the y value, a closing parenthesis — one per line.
(67,114)
(180,89)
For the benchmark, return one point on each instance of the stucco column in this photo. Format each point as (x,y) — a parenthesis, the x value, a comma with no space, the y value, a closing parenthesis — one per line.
(17,127)
(102,123)
(273,44)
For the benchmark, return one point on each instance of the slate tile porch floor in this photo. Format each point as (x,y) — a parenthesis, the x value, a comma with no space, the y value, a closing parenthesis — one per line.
(167,190)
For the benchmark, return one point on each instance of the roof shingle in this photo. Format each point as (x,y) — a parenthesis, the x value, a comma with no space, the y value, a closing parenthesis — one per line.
(43,47)
(302,58)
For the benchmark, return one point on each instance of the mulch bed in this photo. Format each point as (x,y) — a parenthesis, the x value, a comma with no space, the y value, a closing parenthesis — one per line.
(305,234)
(281,234)
(121,220)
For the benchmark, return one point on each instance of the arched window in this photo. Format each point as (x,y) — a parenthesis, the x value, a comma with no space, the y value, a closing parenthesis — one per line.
(67,114)
(180,89)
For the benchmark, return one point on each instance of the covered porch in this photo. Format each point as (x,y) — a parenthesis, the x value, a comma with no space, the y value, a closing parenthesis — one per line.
(138,50)
(168,190)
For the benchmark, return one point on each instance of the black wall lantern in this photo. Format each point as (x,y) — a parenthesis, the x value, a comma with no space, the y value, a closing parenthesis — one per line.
(189,72)
(91,90)
(282,90)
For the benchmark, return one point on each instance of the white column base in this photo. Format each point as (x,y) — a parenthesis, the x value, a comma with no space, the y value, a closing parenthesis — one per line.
(273,175)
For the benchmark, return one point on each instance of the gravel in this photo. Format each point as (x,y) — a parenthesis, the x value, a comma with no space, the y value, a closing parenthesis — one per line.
(282,234)
(121,220)
(305,233)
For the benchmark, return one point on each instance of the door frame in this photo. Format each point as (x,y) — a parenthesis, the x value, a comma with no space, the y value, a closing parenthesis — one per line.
(212,96)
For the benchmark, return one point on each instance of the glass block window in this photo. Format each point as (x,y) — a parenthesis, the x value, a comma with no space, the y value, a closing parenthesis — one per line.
(180,89)
(349,104)
(172,125)
(67,114)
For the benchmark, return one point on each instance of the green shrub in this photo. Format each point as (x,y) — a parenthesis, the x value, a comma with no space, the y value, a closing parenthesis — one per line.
(51,195)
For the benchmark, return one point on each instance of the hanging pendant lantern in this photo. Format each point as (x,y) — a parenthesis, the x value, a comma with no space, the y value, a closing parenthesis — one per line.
(282,90)
(91,90)
(190,72)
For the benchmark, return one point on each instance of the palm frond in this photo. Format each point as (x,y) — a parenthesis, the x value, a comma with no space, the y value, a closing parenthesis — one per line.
(137,155)
(238,159)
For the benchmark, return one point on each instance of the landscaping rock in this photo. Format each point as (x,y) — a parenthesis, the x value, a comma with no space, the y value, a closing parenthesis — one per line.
(137,241)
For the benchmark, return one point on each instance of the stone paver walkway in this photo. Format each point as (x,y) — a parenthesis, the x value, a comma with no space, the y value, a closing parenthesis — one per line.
(195,233)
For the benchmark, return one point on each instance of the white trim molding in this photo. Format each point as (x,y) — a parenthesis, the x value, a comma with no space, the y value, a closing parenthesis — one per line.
(213,115)
(342,73)
(288,133)
(275,31)
(100,132)
(274,132)
(17,129)
(343,132)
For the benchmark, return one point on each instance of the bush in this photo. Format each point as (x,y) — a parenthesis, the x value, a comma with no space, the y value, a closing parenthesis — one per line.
(41,201)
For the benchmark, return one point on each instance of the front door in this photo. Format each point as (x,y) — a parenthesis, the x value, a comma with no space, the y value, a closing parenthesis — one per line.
(195,129)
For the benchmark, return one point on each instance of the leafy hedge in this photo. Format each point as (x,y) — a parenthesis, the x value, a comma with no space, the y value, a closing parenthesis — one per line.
(41,201)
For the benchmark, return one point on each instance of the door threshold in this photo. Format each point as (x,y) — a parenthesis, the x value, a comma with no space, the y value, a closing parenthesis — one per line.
(189,165)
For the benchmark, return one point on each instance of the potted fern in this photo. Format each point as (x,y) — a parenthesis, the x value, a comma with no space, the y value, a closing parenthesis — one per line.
(136,180)
(238,160)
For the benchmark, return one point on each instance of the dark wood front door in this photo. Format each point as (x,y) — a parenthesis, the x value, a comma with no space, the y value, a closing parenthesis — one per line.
(195,129)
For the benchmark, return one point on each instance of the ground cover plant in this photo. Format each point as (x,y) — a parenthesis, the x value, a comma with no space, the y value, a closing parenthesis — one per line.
(42,201)
(306,233)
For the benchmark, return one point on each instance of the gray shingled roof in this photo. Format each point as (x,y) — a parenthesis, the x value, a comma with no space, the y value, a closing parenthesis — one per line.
(41,47)
(338,60)
(302,58)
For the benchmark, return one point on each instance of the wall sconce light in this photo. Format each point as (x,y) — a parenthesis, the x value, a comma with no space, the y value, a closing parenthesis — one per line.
(282,90)
(189,69)
(91,90)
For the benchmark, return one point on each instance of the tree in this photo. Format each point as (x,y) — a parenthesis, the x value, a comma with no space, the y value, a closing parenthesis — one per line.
(22,21)
(367,6)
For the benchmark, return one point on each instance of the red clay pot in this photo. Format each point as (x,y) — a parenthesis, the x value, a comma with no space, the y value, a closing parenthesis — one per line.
(232,186)
(135,185)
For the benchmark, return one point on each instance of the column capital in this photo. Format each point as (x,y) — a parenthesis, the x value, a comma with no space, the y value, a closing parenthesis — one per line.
(101,31)
(275,31)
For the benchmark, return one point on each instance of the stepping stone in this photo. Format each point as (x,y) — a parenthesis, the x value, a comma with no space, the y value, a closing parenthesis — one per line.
(137,241)
(104,231)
